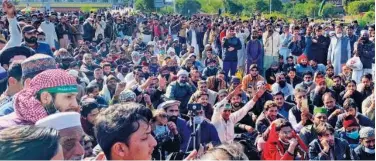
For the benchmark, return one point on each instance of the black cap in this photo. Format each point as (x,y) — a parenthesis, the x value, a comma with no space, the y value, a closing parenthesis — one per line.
(8,54)
(28,29)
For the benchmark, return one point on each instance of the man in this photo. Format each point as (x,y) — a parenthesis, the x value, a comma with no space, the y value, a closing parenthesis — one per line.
(217,82)
(352,37)
(210,70)
(307,83)
(88,66)
(14,28)
(252,78)
(337,87)
(247,123)
(205,131)
(365,50)
(231,45)
(317,67)
(180,90)
(17,53)
(328,147)
(300,115)
(203,87)
(194,77)
(281,86)
(51,91)
(283,143)
(283,106)
(366,149)
(98,78)
(339,50)
(318,92)
(89,111)
(271,72)
(254,51)
(112,89)
(350,131)
(266,118)
(292,78)
(171,108)
(27,71)
(88,29)
(49,29)
(320,45)
(266,96)
(133,125)
(308,133)
(224,121)
(346,74)
(271,43)
(70,131)
(333,109)
(366,86)
(350,108)
(30,40)
(297,43)
(285,40)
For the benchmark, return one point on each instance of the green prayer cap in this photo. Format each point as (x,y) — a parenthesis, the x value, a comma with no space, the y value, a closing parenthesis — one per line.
(318,110)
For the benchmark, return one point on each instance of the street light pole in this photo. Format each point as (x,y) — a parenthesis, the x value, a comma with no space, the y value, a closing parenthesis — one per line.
(174,6)
(270,6)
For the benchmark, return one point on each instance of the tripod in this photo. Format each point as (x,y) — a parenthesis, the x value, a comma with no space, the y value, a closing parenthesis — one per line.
(196,130)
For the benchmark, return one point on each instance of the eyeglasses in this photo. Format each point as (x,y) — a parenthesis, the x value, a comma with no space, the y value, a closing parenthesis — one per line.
(163,115)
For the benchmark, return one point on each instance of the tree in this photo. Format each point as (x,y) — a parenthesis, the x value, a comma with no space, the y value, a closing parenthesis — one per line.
(211,6)
(255,6)
(276,5)
(187,7)
(145,5)
(233,6)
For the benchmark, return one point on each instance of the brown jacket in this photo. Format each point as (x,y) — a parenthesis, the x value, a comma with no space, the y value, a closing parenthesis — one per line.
(248,80)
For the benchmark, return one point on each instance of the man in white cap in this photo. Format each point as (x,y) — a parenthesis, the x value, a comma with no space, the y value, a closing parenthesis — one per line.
(181,90)
(71,134)
(366,149)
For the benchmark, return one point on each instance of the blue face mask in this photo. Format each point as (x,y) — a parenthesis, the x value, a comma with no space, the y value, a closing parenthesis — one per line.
(369,151)
(160,129)
(353,135)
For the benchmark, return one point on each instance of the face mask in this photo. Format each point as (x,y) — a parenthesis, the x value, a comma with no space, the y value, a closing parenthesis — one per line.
(278,29)
(31,40)
(198,119)
(211,67)
(353,135)
(308,83)
(339,35)
(160,129)
(282,83)
(369,151)
(326,33)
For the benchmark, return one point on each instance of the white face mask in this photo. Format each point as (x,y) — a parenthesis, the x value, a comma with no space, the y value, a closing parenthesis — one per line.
(278,29)
(198,119)
(339,35)
(370,151)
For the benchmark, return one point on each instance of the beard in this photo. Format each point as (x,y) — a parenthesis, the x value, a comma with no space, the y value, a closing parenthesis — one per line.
(31,40)
(51,108)
(236,106)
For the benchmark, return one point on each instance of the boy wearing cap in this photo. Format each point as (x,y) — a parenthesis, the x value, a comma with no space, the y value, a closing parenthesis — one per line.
(349,131)
(211,69)
(366,149)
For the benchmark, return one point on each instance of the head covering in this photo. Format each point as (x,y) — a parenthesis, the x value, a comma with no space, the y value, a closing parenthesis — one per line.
(274,64)
(212,61)
(320,110)
(127,95)
(167,104)
(170,49)
(366,132)
(235,79)
(301,57)
(182,72)
(8,54)
(349,121)
(364,32)
(26,104)
(60,121)
(28,29)
(37,63)
(260,83)
(3,74)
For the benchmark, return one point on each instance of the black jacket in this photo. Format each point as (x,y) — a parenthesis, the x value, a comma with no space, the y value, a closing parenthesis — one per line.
(360,154)
(341,150)
(89,32)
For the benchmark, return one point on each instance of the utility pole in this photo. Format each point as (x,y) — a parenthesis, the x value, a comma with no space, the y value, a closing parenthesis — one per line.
(270,6)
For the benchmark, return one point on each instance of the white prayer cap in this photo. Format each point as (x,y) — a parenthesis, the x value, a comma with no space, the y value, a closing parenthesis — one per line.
(151,43)
(182,72)
(170,50)
(363,32)
(60,120)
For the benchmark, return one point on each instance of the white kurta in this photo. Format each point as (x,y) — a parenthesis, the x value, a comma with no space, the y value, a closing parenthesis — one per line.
(241,53)
(49,30)
(334,54)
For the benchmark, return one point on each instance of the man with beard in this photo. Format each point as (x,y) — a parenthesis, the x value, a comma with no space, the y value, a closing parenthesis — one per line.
(337,87)
(106,67)
(366,149)
(266,96)
(308,133)
(112,89)
(254,51)
(251,79)
(298,43)
(51,91)
(171,108)
(352,37)
(350,108)
(203,87)
(320,45)
(281,86)
(271,41)
(231,45)
(30,36)
(328,147)
(317,67)
(366,52)
(202,98)
(346,74)
(333,109)
(217,82)
(302,65)
(63,32)
(307,83)
(366,86)
(98,78)
(88,66)
(70,131)
(246,124)
(339,50)
(266,118)
(271,72)
(181,90)
(283,106)
(318,92)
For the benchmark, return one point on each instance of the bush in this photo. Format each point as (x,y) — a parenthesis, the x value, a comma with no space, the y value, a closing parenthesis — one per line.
(367,18)
(166,10)
(187,7)
(357,7)
(330,10)
(212,6)
(275,15)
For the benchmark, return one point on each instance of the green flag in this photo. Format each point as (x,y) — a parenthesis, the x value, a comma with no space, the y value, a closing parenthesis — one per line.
(321,7)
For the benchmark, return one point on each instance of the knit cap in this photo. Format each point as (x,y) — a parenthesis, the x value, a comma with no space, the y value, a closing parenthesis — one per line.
(36,64)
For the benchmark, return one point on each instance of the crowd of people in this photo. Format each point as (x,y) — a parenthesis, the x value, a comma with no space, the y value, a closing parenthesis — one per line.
(134,86)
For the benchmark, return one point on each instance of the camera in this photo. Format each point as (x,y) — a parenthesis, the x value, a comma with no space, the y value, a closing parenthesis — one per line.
(193,108)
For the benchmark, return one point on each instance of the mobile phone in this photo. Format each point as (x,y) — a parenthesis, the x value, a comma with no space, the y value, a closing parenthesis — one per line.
(304,105)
